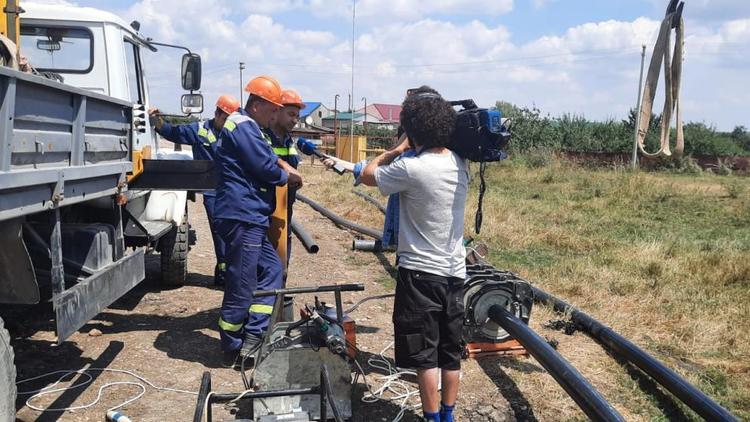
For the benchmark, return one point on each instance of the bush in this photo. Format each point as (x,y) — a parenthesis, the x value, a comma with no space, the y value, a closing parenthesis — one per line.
(681,165)
(734,188)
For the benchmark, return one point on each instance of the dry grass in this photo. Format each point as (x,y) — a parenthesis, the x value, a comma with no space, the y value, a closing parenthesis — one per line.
(663,259)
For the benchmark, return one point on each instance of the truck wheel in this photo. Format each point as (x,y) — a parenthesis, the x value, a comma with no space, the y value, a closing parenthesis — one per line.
(174,255)
(7,377)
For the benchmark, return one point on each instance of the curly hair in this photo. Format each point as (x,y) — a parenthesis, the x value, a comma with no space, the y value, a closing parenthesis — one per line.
(427,118)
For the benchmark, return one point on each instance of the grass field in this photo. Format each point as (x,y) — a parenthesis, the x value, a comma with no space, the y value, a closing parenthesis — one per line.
(662,258)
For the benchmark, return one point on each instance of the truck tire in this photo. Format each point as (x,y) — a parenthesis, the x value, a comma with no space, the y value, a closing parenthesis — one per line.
(7,377)
(174,249)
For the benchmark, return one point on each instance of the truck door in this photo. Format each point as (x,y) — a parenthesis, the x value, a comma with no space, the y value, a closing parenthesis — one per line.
(143,137)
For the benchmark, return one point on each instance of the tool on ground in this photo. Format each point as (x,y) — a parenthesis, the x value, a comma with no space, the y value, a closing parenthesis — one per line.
(303,369)
(310,148)
(672,78)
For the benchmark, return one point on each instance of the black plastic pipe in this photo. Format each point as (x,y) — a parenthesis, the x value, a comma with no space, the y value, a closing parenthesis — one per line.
(683,390)
(583,393)
(370,199)
(338,219)
(367,245)
(304,237)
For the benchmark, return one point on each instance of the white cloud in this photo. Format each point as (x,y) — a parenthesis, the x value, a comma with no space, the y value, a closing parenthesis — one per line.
(589,69)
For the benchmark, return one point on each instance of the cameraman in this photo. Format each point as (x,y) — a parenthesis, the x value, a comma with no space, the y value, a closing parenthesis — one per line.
(432,188)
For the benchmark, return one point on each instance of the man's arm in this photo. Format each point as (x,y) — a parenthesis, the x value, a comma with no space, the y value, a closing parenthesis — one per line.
(179,134)
(368,174)
(257,156)
(295,178)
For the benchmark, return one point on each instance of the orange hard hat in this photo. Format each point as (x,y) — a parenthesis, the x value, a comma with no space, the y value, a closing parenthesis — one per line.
(265,87)
(227,104)
(290,97)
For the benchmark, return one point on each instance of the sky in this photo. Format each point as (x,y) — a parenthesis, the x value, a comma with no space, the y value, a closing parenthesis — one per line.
(561,56)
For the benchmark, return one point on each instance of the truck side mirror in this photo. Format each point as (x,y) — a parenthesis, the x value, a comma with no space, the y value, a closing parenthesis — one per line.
(192,104)
(191,72)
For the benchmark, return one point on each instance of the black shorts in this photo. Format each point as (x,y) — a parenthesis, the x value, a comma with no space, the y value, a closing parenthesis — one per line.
(428,317)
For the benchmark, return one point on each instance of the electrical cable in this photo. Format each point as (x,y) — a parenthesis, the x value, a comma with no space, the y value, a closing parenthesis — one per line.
(367,299)
(35,394)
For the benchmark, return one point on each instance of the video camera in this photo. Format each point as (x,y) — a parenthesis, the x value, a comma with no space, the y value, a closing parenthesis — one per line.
(479,134)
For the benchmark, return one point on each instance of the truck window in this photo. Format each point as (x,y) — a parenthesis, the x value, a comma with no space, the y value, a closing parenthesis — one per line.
(58,49)
(133,63)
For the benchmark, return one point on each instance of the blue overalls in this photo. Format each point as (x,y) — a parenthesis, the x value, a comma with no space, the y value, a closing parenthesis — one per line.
(286,151)
(202,138)
(390,226)
(245,197)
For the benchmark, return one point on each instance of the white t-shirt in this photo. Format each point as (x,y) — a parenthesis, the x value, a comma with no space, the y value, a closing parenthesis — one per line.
(432,190)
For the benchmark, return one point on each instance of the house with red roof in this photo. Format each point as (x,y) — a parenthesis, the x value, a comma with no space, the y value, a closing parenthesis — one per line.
(386,115)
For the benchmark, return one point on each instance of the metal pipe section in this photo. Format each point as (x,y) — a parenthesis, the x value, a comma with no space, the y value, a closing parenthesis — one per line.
(304,237)
(340,221)
(691,396)
(367,245)
(583,393)
(369,199)
(358,287)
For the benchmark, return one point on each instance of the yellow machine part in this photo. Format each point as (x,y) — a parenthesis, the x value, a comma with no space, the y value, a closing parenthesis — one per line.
(10,25)
(278,232)
(138,157)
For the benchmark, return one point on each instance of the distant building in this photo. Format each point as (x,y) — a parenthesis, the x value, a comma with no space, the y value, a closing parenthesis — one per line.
(316,112)
(385,115)
(343,120)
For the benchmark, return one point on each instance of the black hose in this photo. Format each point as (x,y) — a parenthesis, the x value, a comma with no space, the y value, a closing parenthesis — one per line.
(691,396)
(370,199)
(583,393)
(367,245)
(304,237)
(340,221)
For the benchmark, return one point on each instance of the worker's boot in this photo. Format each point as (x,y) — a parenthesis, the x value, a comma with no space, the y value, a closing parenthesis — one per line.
(229,359)
(250,346)
(219,274)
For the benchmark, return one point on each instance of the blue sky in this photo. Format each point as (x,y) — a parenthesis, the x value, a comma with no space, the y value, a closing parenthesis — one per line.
(563,56)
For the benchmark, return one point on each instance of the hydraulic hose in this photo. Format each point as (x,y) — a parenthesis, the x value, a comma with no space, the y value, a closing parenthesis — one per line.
(340,221)
(577,387)
(367,245)
(369,199)
(304,237)
(691,396)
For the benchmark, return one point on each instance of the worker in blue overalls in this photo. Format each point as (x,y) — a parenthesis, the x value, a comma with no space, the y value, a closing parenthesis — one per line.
(202,138)
(245,198)
(283,146)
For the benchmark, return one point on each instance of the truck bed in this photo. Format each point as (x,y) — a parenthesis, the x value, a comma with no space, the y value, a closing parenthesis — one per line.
(59,145)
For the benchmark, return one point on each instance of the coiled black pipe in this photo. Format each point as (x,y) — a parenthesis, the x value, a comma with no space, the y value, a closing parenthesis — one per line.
(304,237)
(369,199)
(691,396)
(340,221)
(367,245)
(583,393)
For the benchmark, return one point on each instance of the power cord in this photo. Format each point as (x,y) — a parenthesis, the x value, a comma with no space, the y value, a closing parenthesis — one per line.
(50,389)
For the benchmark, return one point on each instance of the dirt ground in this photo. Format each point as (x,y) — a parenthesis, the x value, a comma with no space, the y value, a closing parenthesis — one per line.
(169,336)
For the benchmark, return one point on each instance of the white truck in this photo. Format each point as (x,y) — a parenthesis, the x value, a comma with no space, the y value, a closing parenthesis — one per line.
(74,139)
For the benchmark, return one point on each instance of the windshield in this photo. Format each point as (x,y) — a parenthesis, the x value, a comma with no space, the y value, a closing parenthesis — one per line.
(58,49)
